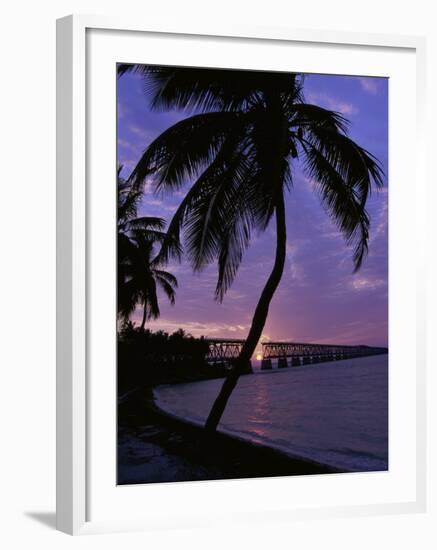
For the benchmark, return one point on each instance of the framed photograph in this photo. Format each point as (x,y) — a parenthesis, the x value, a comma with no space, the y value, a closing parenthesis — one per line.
(240,275)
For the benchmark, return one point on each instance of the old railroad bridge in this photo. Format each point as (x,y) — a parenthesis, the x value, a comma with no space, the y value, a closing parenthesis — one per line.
(288,353)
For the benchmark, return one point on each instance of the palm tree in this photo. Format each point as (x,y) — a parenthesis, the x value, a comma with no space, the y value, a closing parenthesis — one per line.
(139,272)
(238,147)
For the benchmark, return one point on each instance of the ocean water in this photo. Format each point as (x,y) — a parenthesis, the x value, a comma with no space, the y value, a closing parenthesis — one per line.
(334,413)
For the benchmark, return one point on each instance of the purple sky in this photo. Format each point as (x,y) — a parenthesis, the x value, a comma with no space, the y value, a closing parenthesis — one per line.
(319,299)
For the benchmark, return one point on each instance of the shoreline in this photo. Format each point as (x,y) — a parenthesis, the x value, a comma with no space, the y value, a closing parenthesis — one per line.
(157,447)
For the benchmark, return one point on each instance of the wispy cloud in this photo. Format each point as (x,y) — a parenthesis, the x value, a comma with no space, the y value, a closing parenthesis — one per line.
(122,110)
(369,85)
(195,328)
(332,103)
(157,203)
(363,283)
(141,132)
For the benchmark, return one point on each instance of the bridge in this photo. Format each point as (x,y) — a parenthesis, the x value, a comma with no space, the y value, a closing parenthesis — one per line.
(225,351)
(301,353)
(288,353)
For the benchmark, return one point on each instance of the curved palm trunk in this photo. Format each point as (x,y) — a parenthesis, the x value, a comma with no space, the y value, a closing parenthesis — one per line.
(258,321)
(143,322)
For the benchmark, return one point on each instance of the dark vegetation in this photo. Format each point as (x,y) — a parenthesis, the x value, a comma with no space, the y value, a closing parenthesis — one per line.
(148,358)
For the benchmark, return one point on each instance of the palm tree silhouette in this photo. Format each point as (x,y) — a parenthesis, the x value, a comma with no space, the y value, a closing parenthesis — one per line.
(238,146)
(139,272)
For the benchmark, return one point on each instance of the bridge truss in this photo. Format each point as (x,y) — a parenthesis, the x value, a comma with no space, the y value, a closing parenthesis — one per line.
(276,350)
(227,350)
(223,350)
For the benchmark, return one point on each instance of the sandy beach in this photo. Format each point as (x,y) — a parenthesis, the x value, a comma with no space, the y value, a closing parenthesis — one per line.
(155,447)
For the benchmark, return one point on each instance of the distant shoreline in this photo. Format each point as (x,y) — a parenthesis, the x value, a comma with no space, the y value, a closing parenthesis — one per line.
(155,446)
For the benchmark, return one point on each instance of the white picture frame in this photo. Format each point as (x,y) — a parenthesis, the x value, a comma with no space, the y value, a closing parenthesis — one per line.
(74,396)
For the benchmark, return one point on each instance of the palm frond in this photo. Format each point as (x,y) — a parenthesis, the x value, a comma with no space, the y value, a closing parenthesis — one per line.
(167,288)
(147,235)
(356,165)
(209,181)
(203,89)
(251,208)
(221,196)
(149,300)
(208,216)
(128,296)
(184,149)
(307,115)
(148,223)
(345,205)
(165,275)
(128,201)
(123,68)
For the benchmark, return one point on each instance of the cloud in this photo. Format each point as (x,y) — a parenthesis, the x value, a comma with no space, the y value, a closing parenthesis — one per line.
(157,204)
(123,143)
(369,85)
(332,103)
(141,132)
(122,110)
(235,295)
(362,283)
(197,328)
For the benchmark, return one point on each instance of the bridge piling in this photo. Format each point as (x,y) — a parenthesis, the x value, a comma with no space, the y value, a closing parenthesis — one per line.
(248,367)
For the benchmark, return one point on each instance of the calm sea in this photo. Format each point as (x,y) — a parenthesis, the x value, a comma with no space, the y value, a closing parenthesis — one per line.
(334,413)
